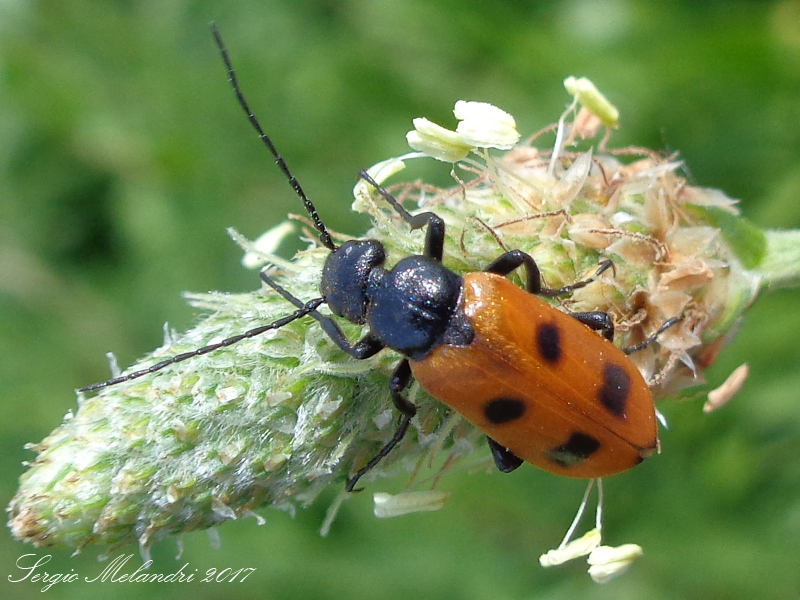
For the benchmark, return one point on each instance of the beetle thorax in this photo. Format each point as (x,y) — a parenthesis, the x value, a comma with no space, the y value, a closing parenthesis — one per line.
(411,308)
(414,306)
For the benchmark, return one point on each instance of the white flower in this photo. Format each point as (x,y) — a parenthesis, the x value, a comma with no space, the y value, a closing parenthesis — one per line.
(481,125)
(380,172)
(436,141)
(607,562)
(575,549)
(585,92)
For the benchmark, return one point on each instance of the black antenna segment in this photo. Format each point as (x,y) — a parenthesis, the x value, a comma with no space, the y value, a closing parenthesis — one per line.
(305,309)
(324,236)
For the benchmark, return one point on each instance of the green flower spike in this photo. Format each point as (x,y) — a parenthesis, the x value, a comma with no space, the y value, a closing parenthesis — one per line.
(276,419)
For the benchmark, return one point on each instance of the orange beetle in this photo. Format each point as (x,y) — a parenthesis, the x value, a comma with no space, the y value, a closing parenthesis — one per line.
(542,384)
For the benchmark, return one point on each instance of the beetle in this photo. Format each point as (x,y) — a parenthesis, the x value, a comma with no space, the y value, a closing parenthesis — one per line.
(545,386)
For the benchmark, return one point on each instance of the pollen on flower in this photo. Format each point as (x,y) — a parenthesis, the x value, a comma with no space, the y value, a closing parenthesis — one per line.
(590,97)
(572,550)
(388,505)
(481,125)
(607,562)
(720,396)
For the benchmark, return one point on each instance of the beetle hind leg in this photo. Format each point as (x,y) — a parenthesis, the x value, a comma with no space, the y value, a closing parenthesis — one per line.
(505,460)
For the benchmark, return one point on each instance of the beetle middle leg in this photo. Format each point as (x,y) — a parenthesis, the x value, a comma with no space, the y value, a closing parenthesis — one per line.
(400,380)
(597,320)
(364,348)
(508,261)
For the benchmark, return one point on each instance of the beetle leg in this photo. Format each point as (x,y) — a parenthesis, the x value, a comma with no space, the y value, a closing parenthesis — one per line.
(505,460)
(597,320)
(568,289)
(642,345)
(508,261)
(363,348)
(401,378)
(399,381)
(398,435)
(434,237)
(601,321)
(366,347)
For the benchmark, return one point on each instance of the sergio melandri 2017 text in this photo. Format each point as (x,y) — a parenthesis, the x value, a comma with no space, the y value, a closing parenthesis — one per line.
(31,565)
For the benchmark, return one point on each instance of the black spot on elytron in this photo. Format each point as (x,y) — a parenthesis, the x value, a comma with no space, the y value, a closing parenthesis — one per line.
(503,410)
(616,389)
(548,340)
(578,448)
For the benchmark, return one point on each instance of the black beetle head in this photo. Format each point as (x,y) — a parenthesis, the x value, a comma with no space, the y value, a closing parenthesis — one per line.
(348,278)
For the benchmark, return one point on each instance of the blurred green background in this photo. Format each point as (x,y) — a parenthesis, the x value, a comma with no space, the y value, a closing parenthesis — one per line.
(123,157)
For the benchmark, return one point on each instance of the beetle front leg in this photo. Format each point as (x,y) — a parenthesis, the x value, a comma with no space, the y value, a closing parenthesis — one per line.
(366,347)
(434,237)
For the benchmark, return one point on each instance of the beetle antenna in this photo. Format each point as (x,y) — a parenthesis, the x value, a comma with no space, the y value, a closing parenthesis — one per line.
(308,308)
(324,236)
